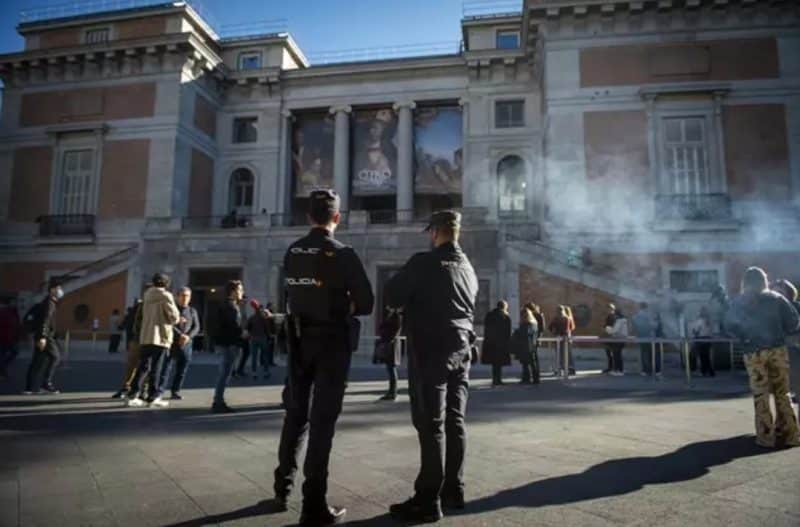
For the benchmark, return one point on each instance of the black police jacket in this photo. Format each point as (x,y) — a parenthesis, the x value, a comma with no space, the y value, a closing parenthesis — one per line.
(324,278)
(437,291)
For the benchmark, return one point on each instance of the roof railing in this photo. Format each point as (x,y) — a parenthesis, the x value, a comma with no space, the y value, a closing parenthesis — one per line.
(385,52)
(490,8)
(253,29)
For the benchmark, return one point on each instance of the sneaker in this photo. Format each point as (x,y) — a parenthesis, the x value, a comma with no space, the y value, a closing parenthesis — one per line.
(176,396)
(158,402)
(388,397)
(616,373)
(49,389)
(27,392)
(118,395)
(326,516)
(412,511)
(221,408)
(134,403)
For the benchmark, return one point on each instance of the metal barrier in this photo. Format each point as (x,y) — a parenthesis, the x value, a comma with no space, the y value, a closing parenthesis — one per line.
(562,347)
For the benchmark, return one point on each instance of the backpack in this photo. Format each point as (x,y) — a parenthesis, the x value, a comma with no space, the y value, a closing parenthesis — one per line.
(32,317)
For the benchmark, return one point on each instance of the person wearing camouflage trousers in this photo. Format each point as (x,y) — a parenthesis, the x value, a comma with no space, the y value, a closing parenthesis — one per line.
(762,319)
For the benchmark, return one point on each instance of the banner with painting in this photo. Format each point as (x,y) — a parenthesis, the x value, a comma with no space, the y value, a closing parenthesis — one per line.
(312,152)
(438,147)
(374,166)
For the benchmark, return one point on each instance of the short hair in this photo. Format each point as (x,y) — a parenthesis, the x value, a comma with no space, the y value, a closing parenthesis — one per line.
(786,288)
(323,206)
(502,304)
(754,280)
(160,280)
(185,289)
(231,286)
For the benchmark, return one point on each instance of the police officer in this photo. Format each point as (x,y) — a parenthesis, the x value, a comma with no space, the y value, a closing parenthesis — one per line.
(326,286)
(437,291)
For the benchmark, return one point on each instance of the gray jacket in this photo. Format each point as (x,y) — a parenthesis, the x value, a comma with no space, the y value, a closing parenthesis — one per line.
(761,320)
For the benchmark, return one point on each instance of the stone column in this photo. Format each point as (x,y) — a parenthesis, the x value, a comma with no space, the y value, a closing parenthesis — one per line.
(405,161)
(341,154)
(284,184)
(721,183)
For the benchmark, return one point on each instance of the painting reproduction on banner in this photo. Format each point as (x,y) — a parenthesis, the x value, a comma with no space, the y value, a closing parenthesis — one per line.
(374,171)
(312,153)
(438,140)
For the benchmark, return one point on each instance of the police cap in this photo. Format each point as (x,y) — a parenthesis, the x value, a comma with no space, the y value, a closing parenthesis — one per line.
(324,200)
(448,219)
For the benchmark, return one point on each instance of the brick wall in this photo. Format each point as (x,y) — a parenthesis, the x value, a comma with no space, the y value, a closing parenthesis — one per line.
(30,183)
(88,104)
(201,184)
(724,60)
(29,276)
(101,298)
(123,184)
(757,152)
(549,291)
(205,116)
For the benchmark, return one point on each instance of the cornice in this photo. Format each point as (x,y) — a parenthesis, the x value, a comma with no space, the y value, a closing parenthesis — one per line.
(381,66)
(555,9)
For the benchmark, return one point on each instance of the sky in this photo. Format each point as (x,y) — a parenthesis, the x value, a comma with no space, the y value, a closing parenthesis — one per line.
(316,25)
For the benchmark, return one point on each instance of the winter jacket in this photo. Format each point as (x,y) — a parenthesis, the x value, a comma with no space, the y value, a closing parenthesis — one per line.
(761,320)
(230,325)
(159,314)
(497,338)
(523,342)
(644,325)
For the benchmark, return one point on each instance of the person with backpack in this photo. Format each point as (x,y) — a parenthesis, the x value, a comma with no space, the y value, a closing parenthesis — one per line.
(131,324)
(46,351)
(618,331)
(525,348)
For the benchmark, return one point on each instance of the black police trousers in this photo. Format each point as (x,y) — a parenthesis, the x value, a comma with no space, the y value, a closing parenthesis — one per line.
(438,388)
(321,363)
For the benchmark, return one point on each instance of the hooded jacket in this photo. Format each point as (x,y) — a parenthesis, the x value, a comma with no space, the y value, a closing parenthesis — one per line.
(159,314)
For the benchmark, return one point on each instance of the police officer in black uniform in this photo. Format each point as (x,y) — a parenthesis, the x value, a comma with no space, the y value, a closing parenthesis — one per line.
(326,286)
(437,291)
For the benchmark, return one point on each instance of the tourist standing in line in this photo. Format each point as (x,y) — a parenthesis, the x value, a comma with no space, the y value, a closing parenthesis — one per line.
(497,341)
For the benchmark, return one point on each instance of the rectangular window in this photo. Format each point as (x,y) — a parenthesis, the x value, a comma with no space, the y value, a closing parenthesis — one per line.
(245,129)
(693,281)
(97,36)
(250,61)
(509,114)
(77,172)
(685,156)
(507,39)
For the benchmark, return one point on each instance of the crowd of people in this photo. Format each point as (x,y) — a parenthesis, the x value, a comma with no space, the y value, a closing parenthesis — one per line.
(431,302)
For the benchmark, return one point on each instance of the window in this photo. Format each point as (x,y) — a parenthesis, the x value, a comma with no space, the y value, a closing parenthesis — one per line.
(693,281)
(97,36)
(241,191)
(75,191)
(511,184)
(250,61)
(685,156)
(509,114)
(245,130)
(507,39)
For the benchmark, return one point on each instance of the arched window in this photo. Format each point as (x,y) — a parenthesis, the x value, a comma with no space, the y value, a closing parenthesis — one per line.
(511,184)
(241,191)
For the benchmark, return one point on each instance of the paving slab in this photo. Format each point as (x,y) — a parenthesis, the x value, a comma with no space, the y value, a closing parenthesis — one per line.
(594,451)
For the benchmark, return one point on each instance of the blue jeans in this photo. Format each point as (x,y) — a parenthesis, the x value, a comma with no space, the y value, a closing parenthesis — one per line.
(230,357)
(260,352)
(182,357)
(646,357)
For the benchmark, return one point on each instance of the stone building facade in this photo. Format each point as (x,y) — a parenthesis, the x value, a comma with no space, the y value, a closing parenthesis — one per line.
(599,150)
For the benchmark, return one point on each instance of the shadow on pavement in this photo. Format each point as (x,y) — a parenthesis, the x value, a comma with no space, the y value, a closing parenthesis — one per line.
(622,476)
(261,508)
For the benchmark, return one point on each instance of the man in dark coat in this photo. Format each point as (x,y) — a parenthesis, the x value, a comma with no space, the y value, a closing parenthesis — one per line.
(437,291)
(46,351)
(496,340)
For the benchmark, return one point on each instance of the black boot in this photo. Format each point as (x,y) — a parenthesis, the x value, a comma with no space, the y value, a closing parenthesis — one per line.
(412,510)
(319,518)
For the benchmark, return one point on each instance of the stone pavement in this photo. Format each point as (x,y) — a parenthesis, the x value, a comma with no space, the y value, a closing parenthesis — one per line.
(596,451)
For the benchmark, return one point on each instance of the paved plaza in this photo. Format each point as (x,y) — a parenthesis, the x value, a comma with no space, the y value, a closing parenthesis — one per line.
(596,451)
